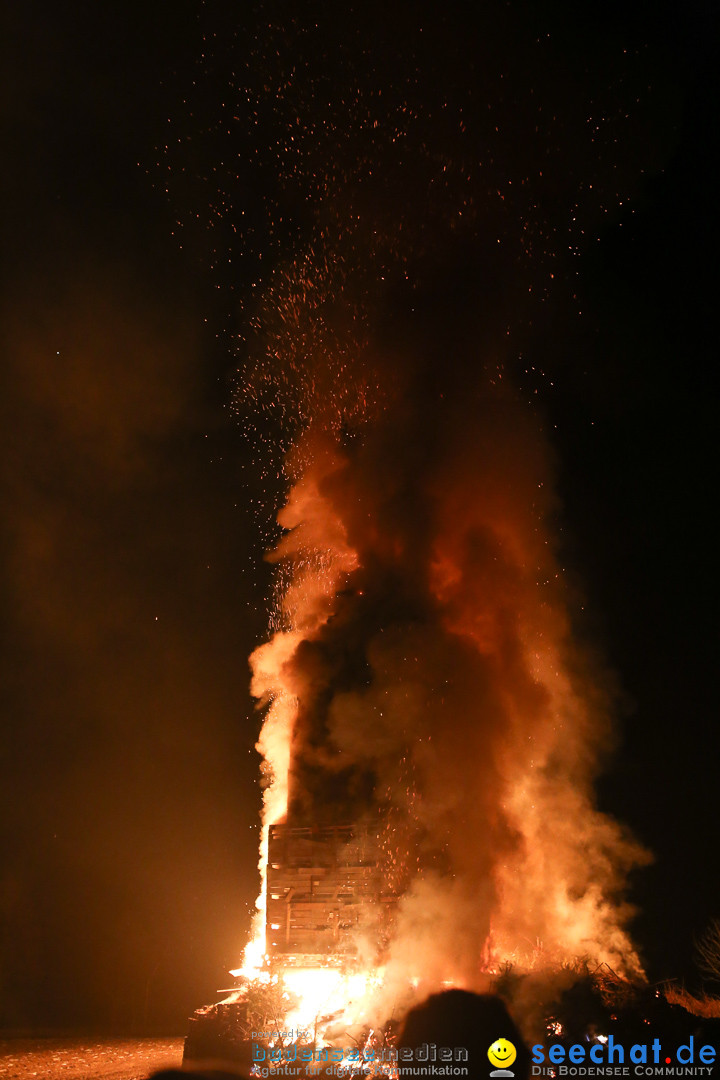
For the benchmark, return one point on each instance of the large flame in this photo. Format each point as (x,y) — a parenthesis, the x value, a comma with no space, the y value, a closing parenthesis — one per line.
(468,704)
(316,546)
(328,992)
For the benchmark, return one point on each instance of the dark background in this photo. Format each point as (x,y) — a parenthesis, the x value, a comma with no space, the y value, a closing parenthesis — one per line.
(136,588)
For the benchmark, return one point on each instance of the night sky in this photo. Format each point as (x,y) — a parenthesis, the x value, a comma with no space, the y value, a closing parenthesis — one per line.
(134,506)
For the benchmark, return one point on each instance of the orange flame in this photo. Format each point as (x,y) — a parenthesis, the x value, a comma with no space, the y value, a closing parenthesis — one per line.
(315,546)
(497,716)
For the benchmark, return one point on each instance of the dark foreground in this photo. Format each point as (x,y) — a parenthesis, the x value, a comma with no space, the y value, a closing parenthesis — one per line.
(87,1059)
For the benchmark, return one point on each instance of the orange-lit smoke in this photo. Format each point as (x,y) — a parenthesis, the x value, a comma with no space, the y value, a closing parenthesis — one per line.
(426,678)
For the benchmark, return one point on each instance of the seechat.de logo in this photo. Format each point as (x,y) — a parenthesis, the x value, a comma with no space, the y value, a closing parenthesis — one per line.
(501,1054)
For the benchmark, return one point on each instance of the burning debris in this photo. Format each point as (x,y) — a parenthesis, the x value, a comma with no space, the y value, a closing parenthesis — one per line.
(575,1014)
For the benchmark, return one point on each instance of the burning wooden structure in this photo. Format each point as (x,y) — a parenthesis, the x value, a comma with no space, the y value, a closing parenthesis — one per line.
(324,885)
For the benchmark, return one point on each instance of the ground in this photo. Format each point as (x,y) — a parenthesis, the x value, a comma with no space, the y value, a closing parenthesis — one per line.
(87,1059)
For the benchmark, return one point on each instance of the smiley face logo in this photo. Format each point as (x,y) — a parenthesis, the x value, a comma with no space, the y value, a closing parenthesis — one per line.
(502,1053)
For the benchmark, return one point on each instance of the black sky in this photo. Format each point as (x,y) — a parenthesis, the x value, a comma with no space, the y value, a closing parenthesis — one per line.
(135,586)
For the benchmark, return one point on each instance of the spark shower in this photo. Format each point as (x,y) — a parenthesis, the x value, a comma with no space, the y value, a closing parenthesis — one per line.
(393,212)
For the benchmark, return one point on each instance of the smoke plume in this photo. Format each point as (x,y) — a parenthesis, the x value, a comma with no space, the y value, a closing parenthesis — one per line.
(431,685)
